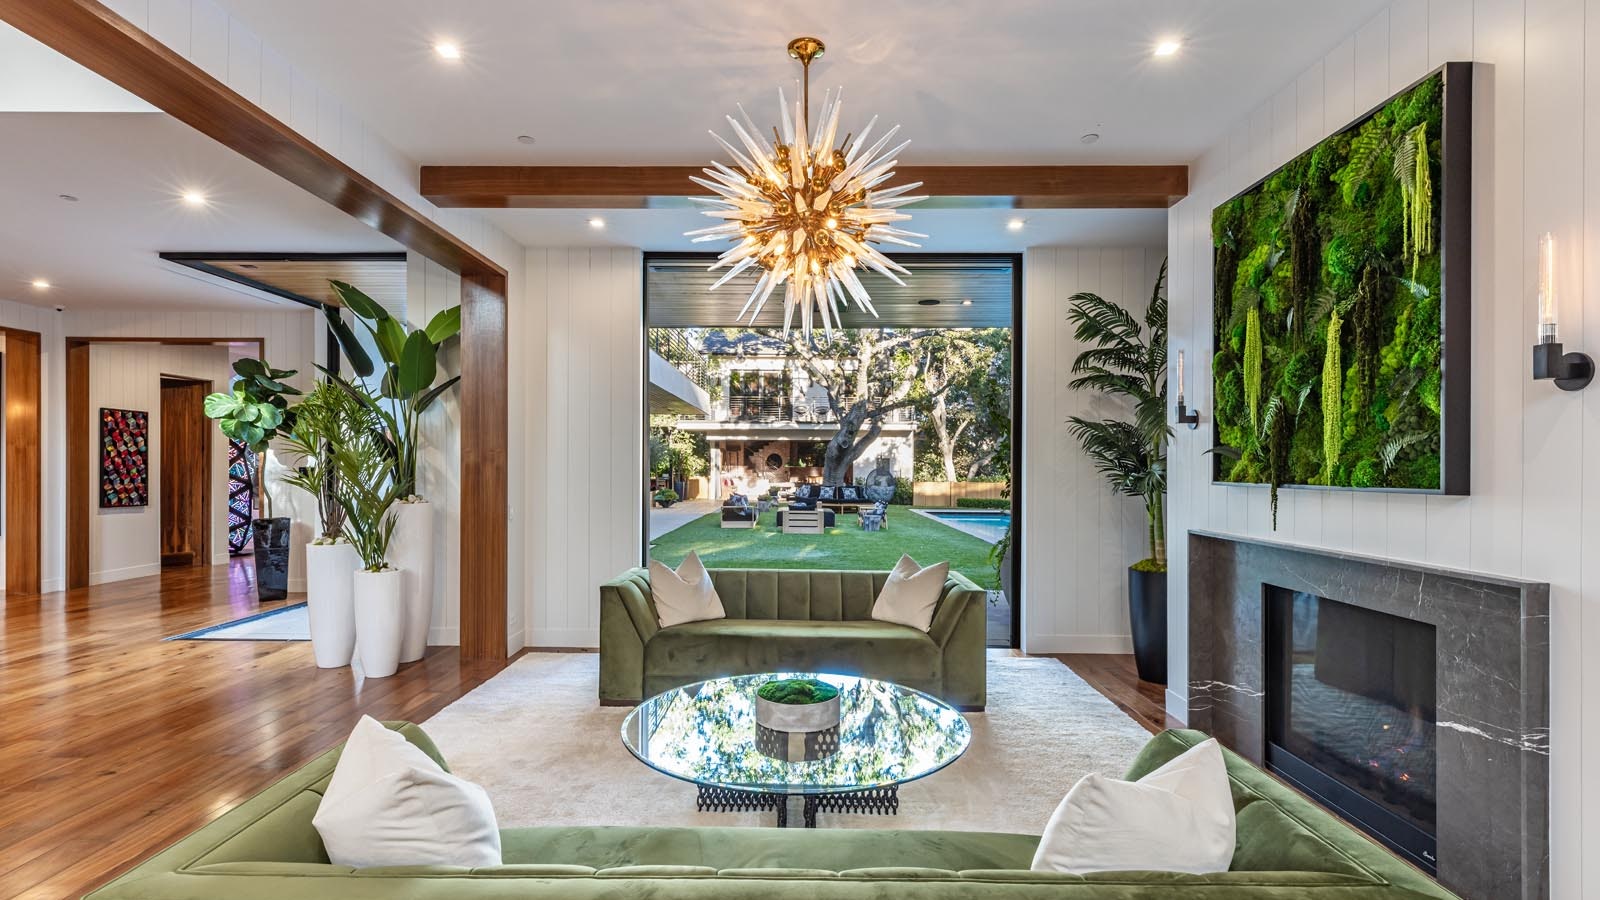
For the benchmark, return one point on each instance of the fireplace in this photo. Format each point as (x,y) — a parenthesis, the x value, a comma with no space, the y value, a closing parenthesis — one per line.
(1351,706)
(1409,699)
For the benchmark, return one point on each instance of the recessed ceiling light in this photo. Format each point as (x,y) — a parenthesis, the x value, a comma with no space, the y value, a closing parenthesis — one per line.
(194,198)
(597,223)
(68,197)
(1014,225)
(928,302)
(1090,137)
(41,284)
(967,302)
(525,139)
(1168,47)
(447,50)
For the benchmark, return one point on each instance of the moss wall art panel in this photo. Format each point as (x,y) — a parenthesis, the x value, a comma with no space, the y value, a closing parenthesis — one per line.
(1341,304)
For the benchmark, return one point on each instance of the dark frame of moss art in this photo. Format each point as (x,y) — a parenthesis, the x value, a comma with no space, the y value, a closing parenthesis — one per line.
(1403,413)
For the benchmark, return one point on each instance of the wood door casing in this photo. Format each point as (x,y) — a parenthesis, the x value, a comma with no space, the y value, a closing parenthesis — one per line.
(22,463)
(185,473)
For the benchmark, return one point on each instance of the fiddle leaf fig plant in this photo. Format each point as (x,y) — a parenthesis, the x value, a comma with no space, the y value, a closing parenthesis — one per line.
(409,365)
(256,412)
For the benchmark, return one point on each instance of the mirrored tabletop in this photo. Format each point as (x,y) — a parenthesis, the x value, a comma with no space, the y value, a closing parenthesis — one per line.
(707,733)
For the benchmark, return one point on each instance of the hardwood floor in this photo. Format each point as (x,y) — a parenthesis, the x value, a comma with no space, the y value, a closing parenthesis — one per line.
(1115,677)
(114,743)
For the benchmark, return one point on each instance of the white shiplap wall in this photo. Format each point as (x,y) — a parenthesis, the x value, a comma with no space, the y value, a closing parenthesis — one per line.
(126,543)
(1534,511)
(581,325)
(1079,538)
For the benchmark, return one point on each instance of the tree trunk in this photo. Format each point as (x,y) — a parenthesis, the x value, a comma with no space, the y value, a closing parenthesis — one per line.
(939,418)
(847,444)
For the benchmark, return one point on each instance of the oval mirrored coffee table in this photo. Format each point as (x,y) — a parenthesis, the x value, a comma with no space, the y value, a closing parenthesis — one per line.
(706,733)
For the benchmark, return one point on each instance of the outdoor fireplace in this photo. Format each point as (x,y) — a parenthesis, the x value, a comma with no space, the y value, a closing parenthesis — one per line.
(1351,703)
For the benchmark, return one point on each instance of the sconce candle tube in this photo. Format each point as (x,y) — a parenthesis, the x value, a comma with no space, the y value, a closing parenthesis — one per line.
(1185,415)
(1570,371)
(1547,331)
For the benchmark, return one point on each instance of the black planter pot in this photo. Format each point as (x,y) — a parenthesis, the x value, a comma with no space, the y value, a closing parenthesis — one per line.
(272,558)
(1147,618)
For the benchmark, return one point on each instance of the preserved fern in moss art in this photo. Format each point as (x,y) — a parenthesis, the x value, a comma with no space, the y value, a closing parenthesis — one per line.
(1328,291)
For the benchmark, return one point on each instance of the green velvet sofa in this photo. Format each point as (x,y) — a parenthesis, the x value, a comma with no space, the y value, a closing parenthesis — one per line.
(266,848)
(782,620)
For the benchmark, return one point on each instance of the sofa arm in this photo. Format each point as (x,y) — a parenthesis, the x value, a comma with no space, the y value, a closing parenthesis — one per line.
(627,622)
(960,628)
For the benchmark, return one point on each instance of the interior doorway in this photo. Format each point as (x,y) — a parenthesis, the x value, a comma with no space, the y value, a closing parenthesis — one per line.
(185,472)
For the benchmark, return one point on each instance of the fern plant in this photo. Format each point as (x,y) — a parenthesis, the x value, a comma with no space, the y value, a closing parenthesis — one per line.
(1127,359)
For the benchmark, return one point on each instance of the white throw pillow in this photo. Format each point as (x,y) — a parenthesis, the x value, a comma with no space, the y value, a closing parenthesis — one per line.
(1178,818)
(389,804)
(911,593)
(686,595)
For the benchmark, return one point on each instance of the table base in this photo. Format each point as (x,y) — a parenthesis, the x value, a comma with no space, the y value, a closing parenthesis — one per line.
(883,801)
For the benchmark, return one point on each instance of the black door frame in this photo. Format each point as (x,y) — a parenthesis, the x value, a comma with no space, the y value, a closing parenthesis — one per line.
(1017,425)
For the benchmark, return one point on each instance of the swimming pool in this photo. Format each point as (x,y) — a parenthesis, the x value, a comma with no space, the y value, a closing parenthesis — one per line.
(986,526)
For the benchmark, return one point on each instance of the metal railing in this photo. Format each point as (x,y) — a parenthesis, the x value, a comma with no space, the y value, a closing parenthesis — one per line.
(673,347)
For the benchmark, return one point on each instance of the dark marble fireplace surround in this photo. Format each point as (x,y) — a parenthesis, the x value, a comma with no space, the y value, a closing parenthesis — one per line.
(1493,669)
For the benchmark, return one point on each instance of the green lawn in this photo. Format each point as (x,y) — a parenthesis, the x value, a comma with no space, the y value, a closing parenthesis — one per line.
(845,547)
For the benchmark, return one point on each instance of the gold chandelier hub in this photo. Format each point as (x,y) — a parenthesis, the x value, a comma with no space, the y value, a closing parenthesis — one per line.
(806,49)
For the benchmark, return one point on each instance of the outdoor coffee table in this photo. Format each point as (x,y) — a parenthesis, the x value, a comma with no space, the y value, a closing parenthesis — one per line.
(706,734)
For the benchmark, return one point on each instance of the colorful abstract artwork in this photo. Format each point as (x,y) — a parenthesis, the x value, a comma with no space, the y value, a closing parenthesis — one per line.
(124,458)
(241,474)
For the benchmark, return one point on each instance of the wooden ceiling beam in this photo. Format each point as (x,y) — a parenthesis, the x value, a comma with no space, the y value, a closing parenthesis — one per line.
(92,35)
(1035,187)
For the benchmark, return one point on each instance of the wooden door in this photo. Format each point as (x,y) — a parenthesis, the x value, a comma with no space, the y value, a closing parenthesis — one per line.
(185,473)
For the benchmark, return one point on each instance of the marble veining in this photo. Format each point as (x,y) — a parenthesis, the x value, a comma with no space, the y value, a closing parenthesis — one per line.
(1492,658)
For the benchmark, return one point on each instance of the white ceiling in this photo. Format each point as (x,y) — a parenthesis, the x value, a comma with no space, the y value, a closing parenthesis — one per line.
(949,230)
(129,171)
(609,83)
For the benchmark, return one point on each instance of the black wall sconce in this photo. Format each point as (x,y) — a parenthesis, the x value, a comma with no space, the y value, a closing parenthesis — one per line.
(1570,371)
(1186,416)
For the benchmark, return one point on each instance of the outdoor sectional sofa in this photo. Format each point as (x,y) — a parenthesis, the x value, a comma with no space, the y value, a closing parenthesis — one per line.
(266,848)
(782,620)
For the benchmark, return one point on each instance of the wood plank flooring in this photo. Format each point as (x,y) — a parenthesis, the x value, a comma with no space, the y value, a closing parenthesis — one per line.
(1115,676)
(114,744)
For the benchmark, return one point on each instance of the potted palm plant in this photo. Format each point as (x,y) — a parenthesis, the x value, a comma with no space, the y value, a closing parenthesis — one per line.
(410,366)
(328,418)
(366,492)
(1128,360)
(255,412)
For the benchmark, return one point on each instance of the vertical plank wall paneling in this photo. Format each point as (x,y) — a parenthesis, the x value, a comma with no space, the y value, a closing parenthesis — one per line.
(126,542)
(1079,538)
(580,326)
(1534,510)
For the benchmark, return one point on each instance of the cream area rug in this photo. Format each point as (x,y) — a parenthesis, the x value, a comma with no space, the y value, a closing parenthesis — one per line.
(548,754)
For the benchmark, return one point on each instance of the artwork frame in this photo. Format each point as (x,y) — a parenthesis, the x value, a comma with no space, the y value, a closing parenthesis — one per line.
(124,458)
(1246,453)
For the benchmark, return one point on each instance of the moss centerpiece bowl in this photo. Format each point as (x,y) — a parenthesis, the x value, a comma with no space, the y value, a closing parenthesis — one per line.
(797,705)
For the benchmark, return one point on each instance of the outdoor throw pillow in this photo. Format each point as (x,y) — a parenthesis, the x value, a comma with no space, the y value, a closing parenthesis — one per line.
(686,595)
(827,492)
(390,804)
(849,492)
(910,594)
(1178,818)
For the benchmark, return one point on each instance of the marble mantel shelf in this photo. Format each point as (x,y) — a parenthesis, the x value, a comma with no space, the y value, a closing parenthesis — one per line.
(1506,581)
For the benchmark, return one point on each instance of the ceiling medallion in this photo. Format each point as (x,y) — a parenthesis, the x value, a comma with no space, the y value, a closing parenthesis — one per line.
(805,209)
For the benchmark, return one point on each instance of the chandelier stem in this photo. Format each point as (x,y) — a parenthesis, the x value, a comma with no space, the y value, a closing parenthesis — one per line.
(805,49)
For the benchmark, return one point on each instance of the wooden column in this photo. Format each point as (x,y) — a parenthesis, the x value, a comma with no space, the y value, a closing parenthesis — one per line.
(484,412)
(78,491)
(23,474)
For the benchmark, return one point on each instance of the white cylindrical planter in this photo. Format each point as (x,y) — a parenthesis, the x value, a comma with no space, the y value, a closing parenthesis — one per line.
(380,619)
(411,551)
(329,604)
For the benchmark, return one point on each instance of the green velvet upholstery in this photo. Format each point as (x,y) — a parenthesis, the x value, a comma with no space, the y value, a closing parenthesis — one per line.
(791,620)
(266,848)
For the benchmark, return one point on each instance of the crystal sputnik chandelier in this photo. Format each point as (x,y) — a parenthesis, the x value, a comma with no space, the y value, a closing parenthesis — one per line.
(805,209)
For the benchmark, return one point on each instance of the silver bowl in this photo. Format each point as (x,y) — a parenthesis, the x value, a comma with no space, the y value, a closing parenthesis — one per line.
(798,717)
